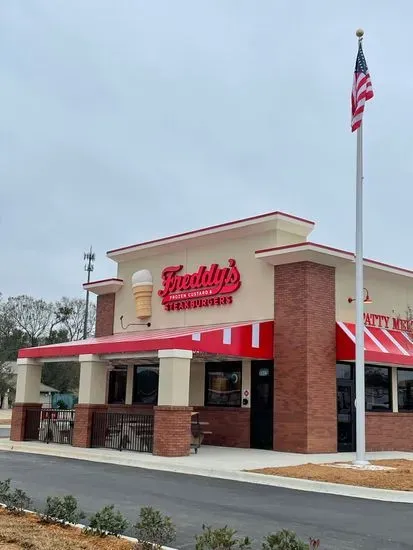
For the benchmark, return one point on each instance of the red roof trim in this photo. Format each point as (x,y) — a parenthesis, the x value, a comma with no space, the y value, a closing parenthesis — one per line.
(237,340)
(112,279)
(204,229)
(332,249)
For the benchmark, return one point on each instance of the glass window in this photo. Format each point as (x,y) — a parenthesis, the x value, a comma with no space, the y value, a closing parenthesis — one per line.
(405,389)
(117,386)
(145,384)
(344,372)
(378,389)
(223,384)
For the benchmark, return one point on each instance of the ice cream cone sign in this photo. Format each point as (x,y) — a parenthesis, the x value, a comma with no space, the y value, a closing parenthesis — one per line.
(142,287)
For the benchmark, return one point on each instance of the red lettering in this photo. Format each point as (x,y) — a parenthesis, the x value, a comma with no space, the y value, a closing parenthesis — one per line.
(368,319)
(208,282)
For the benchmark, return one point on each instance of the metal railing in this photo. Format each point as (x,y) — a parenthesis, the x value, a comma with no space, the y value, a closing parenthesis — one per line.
(50,426)
(130,432)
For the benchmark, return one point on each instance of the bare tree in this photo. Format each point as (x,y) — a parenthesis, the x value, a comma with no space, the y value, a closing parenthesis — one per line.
(35,318)
(71,315)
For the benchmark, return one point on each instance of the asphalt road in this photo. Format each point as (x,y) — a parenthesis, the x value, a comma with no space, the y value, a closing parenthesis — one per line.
(341,523)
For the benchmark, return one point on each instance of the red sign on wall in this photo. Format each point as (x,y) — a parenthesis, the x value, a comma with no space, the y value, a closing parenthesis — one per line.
(385,321)
(206,287)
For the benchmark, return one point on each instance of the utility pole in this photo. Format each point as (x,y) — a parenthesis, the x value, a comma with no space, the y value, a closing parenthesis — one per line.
(89,257)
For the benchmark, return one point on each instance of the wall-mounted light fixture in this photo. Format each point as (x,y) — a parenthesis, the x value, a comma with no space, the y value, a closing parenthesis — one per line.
(132,324)
(367,299)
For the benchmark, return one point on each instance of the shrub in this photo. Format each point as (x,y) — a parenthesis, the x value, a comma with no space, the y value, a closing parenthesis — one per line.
(62,510)
(285,540)
(108,521)
(17,501)
(220,539)
(154,530)
(4,490)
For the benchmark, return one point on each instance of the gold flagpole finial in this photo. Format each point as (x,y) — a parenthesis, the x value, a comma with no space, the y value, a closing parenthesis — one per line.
(359,33)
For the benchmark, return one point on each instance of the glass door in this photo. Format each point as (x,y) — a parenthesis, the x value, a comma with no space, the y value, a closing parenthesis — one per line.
(345,416)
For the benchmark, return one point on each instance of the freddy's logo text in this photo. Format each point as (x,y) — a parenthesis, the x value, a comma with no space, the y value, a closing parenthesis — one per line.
(204,288)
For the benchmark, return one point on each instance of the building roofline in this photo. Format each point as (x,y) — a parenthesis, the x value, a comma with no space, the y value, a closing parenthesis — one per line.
(227,225)
(339,253)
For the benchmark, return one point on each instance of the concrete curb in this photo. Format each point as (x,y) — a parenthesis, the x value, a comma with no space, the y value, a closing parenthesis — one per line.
(351,491)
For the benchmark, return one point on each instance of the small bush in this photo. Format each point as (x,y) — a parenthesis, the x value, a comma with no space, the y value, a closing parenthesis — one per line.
(4,490)
(108,521)
(154,530)
(220,539)
(17,501)
(285,540)
(62,510)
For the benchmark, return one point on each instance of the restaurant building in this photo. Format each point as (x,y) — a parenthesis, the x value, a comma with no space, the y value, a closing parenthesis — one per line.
(249,323)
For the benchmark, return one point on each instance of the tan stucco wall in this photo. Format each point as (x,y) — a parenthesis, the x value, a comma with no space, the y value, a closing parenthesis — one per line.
(391,294)
(28,381)
(253,301)
(174,376)
(93,380)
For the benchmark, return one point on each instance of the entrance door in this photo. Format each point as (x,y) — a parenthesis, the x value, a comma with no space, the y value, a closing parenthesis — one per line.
(345,416)
(262,392)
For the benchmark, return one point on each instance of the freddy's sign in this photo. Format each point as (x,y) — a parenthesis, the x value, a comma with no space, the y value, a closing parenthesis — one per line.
(209,286)
(385,321)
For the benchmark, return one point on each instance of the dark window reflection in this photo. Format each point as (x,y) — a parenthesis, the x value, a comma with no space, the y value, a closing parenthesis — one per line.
(378,389)
(405,389)
(145,384)
(223,384)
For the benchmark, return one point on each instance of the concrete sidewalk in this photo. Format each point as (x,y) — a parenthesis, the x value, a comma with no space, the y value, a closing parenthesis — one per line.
(225,463)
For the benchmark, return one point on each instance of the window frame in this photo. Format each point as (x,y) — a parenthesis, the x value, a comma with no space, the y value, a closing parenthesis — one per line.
(390,388)
(116,372)
(223,366)
(352,379)
(134,384)
(405,411)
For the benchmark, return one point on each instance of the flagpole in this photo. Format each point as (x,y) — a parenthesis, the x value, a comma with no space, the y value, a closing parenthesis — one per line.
(360,382)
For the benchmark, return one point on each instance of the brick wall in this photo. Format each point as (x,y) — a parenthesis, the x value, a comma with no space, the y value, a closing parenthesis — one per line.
(105,312)
(230,427)
(172,431)
(18,419)
(389,432)
(305,417)
(82,431)
(131,409)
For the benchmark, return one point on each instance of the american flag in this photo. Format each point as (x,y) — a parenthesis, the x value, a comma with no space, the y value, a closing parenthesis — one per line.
(362,90)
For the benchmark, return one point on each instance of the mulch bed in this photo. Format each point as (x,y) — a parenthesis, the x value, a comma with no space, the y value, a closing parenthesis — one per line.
(25,532)
(400,479)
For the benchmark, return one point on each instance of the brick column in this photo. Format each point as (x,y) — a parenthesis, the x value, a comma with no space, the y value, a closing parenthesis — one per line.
(172,435)
(18,420)
(105,314)
(82,432)
(305,415)
(172,421)
(27,397)
(92,397)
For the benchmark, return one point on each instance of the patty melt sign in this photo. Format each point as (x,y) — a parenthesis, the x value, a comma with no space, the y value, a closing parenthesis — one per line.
(207,287)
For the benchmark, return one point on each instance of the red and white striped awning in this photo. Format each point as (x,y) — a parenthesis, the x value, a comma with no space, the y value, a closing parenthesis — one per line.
(250,340)
(381,345)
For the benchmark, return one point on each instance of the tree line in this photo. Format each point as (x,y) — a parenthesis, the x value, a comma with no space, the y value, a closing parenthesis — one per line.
(26,321)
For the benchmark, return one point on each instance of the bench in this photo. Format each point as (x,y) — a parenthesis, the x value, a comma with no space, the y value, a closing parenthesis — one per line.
(197,431)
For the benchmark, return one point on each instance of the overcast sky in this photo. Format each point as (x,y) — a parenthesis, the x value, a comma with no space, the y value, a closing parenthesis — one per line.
(122,121)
